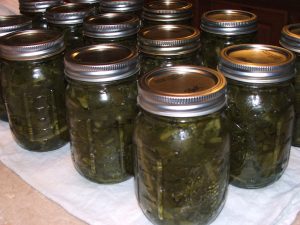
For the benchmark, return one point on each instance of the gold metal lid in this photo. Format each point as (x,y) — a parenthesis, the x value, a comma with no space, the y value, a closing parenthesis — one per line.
(14,23)
(254,63)
(182,91)
(290,37)
(169,40)
(229,22)
(37,6)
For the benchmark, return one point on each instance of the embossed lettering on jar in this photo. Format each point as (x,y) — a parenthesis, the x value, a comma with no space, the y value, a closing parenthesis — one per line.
(68,18)
(111,28)
(222,28)
(33,85)
(101,103)
(260,112)
(35,9)
(182,145)
(168,45)
(167,12)
(290,39)
(9,24)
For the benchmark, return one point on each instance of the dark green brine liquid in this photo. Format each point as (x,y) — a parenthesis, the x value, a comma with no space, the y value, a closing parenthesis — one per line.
(296,133)
(3,114)
(126,41)
(182,167)
(150,62)
(101,119)
(212,44)
(261,121)
(33,92)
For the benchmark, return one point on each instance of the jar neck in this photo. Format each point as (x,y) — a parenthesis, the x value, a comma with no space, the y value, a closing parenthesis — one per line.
(175,56)
(207,34)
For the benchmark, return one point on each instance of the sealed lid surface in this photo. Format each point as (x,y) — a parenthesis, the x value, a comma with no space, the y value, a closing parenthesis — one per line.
(111,25)
(182,91)
(253,63)
(70,13)
(167,10)
(169,39)
(31,45)
(290,37)
(229,22)
(121,5)
(37,6)
(101,63)
(85,1)
(13,23)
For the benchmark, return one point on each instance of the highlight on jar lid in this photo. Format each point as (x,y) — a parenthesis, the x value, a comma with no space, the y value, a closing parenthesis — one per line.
(169,39)
(182,91)
(101,63)
(37,6)
(31,44)
(290,37)
(167,10)
(85,1)
(69,13)
(121,5)
(229,22)
(13,23)
(254,63)
(111,25)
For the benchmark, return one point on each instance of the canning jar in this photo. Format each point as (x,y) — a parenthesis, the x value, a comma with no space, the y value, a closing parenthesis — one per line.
(111,28)
(260,111)
(222,28)
(94,3)
(68,18)
(33,85)
(121,6)
(182,145)
(167,12)
(290,39)
(101,105)
(35,9)
(168,45)
(9,24)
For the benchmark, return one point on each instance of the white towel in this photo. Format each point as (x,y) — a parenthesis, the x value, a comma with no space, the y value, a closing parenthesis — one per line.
(53,174)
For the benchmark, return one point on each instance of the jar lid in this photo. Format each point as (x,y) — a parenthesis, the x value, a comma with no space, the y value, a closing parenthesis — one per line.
(37,6)
(13,23)
(69,14)
(85,1)
(169,11)
(182,91)
(290,37)
(254,63)
(121,5)
(31,45)
(229,22)
(101,63)
(169,39)
(111,25)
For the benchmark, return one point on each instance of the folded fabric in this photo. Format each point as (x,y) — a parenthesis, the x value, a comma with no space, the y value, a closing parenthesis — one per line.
(53,174)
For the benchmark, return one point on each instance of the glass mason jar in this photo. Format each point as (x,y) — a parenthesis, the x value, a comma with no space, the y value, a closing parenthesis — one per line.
(167,12)
(94,3)
(33,85)
(111,28)
(35,9)
(122,6)
(222,28)
(101,105)
(168,45)
(68,18)
(9,24)
(260,111)
(182,145)
(290,39)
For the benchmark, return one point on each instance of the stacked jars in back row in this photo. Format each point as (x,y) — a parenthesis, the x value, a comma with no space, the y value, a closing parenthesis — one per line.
(290,39)
(124,6)
(9,24)
(222,28)
(260,111)
(101,105)
(168,45)
(33,85)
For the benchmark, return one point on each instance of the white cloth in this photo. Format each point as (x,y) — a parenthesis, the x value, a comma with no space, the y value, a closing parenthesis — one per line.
(52,174)
(9,7)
